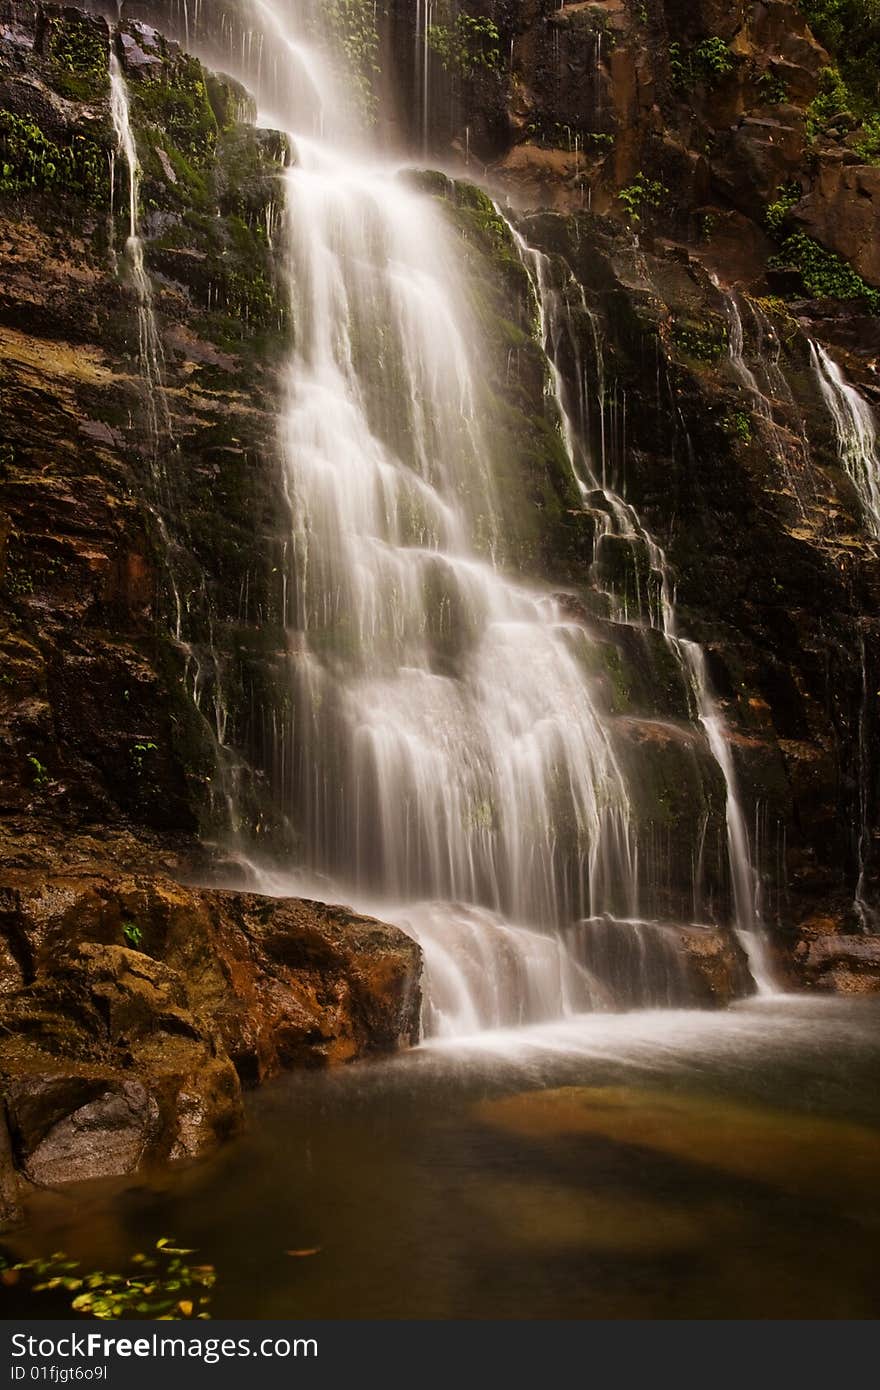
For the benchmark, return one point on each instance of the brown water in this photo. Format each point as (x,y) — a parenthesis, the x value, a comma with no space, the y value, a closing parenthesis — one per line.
(654,1165)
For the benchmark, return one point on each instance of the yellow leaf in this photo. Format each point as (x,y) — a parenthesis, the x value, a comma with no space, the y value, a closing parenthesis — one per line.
(186,1307)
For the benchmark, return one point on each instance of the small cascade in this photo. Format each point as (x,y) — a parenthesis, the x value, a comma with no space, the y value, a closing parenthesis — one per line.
(867,913)
(648,596)
(855,429)
(622,521)
(790,448)
(638,965)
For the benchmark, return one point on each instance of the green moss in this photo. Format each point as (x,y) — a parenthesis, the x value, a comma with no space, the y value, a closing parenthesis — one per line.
(178,109)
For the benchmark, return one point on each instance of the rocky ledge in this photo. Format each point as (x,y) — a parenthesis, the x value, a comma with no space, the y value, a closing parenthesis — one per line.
(132,1011)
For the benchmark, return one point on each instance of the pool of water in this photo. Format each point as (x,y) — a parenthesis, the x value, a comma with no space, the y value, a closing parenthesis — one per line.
(651,1165)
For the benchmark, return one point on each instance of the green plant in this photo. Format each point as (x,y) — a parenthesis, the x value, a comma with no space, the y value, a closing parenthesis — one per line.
(850,30)
(30,160)
(771,88)
(739,425)
(825,275)
(353,26)
(467,44)
(777,211)
(641,193)
(41,776)
(707,62)
(867,146)
(160,1285)
(831,105)
(703,342)
(139,754)
(132,933)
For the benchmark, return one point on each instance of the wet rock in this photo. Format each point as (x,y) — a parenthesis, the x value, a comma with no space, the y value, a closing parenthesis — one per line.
(716,964)
(10,1208)
(267,983)
(105,1068)
(844,964)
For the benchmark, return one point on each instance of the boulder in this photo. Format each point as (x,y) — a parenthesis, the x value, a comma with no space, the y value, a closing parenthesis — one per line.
(131,1008)
(842,964)
(842,213)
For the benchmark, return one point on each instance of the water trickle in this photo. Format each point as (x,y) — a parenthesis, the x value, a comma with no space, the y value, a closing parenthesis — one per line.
(150,352)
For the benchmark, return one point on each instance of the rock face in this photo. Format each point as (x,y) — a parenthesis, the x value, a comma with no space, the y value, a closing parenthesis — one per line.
(132,1008)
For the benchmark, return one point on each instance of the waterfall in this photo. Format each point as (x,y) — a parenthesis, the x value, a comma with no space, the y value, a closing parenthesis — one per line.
(855,430)
(443,745)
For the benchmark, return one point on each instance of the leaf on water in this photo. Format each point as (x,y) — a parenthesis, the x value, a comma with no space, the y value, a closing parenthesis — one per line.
(186,1307)
(303,1254)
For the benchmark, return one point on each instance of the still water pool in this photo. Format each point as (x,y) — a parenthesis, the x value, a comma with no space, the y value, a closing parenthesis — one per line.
(649,1165)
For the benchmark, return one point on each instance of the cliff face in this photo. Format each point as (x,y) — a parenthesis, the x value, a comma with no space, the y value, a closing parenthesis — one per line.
(661,158)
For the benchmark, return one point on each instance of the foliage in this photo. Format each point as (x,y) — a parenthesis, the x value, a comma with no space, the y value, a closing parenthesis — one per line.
(40,771)
(777,212)
(739,425)
(703,342)
(641,193)
(132,933)
(867,146)
(850,29)
(771,88)
(467,44)
(160,1285)
(139,754)
(831,104)
(30,161)
(824,274)
(352,24)
(707,62)
(78,55)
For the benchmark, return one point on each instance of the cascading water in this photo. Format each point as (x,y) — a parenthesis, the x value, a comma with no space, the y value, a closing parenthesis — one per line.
(855,430)
(443,745)
(444,750)
(618,518)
